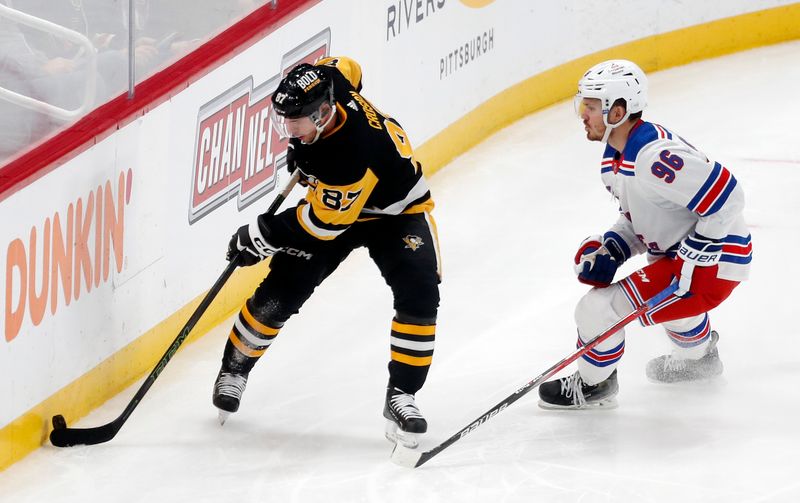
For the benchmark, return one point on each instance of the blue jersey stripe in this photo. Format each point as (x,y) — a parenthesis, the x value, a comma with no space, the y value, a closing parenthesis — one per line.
(715,173)
(723,198)
(737,240)
(736,259)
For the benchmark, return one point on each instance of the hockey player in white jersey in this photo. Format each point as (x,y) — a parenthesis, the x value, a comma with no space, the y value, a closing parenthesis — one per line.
(679,208)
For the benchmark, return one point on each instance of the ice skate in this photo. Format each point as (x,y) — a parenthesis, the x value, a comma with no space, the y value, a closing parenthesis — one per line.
(668,369)
(404,421)
(228,391)
(572,393)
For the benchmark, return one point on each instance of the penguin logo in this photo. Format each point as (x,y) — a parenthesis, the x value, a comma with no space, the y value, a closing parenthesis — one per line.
(413,242)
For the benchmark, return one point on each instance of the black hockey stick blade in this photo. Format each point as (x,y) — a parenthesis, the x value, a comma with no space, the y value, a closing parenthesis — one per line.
(62,436)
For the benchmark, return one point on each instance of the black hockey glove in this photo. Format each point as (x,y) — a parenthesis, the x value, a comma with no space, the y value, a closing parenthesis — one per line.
(250,244)
(293,162)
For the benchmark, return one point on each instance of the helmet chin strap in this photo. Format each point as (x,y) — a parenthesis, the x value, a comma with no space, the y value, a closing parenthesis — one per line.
(610,127)
(320,127)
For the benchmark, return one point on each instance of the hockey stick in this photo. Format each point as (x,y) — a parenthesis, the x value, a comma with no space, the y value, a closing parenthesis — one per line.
(62,436)
(409,458)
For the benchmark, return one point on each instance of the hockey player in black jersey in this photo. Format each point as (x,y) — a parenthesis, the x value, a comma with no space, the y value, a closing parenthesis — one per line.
(364,189)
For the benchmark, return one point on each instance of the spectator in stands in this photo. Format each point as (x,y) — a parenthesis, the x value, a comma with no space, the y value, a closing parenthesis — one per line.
(53,80)
(50,68)
(176,34)
(101,21)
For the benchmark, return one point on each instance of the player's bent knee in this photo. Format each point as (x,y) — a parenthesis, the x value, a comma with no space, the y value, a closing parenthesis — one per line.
(418,299)
(595,311)
(272,313)
(419,306)
(596,301)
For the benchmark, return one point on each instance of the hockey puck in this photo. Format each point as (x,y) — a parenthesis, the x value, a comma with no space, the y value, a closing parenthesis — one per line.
(59,423)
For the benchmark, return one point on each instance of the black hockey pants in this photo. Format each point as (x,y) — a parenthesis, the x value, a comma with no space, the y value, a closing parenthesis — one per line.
(405,249)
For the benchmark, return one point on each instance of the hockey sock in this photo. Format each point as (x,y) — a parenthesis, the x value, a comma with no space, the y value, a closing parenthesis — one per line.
(596,365)
(691,343)
(412,352)
(248,340)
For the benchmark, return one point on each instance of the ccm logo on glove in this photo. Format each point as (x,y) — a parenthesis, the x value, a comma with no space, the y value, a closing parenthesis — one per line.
(250,246)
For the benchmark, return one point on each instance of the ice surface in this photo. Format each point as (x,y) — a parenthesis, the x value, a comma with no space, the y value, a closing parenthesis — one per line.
(510,214)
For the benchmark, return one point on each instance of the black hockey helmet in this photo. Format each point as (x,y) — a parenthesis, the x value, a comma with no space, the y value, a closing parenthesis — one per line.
(302,91)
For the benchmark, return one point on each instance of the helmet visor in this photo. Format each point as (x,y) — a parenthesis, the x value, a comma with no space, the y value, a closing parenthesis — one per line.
(579,105)
(586,105)
(293,127)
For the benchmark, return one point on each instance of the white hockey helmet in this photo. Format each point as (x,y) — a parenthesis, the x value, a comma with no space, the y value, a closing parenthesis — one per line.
(611,80)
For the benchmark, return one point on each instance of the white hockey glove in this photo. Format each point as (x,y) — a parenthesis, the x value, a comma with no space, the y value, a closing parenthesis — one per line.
(250,244)
(697,258)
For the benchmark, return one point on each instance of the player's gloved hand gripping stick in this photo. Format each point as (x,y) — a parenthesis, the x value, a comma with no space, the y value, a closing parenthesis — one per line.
(411,458)
(62,436)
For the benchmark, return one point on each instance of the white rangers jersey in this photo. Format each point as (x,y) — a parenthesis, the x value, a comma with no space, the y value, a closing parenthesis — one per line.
(666,190)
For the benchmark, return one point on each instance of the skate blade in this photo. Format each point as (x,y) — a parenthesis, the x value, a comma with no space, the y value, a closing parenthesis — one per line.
(607,403)
(223,416)
(399,437)
(403,456)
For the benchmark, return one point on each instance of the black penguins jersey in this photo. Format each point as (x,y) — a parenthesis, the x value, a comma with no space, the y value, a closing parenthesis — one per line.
(363,168)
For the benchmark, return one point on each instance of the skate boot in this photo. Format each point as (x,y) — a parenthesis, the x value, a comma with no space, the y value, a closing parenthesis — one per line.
(668,369)
(404,421)
(572,393)
(228,391)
